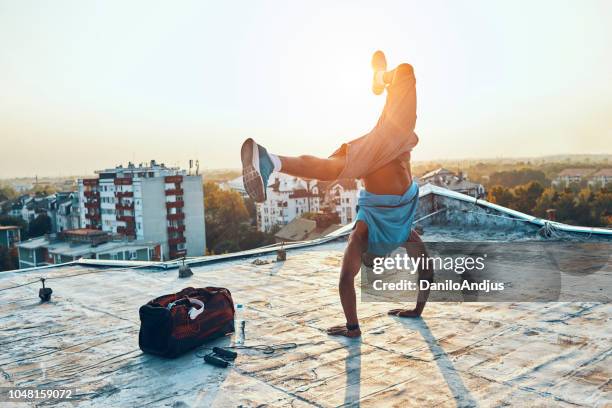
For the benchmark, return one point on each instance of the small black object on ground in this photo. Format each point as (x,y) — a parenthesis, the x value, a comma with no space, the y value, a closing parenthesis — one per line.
(184,270)
(44,293)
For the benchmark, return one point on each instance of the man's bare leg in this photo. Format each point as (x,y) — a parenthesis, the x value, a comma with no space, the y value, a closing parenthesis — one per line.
(258,164)
(351,263)
(416,249)
(311,167)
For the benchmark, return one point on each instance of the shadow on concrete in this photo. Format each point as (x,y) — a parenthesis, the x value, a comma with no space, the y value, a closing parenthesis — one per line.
(462,395)
(352,366)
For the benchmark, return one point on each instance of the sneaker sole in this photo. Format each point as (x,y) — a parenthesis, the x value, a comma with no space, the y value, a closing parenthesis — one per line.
(251,178)
(378,65)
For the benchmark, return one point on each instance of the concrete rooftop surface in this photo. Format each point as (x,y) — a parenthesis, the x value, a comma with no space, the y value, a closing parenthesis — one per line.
(458,354)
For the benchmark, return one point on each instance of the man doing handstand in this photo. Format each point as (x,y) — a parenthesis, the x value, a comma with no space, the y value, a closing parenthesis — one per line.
(381,158)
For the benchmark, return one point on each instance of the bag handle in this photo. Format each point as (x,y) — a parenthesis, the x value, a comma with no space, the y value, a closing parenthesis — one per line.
(193,312)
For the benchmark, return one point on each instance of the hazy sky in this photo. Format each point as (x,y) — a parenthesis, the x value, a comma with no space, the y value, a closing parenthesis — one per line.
(87,85)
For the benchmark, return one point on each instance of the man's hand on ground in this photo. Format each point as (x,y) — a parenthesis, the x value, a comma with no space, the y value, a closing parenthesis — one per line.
(341,330)
(404,312)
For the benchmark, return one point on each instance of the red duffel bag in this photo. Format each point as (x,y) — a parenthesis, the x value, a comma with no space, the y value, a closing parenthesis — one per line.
(173,324)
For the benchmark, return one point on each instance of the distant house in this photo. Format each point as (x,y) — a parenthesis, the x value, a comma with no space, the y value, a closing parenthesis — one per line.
(453,181)
(437,176)
(570,176)
(302,229)
(83,243)
(235,184)
(290,197)
(287,199)
(15,209)
(65,214)
(601,178)
(342,197)
(35,206)
(9,236)
(467,187)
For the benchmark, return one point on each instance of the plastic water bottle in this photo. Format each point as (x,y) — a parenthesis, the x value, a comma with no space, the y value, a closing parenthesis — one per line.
(239,324)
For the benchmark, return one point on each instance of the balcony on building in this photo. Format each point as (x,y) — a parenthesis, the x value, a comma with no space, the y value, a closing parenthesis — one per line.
(174,191)
(124,206)
(175,204)
(177,253)
(126,218)
(177,228)
(173,179)
(92,216)
(176,241)
(130,231)
(123,181)
(177,216)
(123,194)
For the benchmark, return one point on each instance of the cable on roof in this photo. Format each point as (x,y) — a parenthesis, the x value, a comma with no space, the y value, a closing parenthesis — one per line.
(264,348)
(75,274)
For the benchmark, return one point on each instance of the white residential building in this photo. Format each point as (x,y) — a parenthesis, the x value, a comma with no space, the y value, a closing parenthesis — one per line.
(453,181)
(601,178)
(287,198)
(342,196)
(147,203)
(67,213)
(571,176)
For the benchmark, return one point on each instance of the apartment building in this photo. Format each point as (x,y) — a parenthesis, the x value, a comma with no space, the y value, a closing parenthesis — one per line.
(149,202)
(289,197)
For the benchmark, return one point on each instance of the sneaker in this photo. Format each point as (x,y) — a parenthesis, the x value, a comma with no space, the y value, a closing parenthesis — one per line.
(256,169)
(379,63)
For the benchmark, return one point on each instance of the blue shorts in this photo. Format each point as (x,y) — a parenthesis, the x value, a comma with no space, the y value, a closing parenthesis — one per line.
(389,218)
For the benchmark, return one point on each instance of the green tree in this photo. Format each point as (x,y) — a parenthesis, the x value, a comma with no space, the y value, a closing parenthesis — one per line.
(513,178)
(526,197)
(7,193)
(43,190)
(501,195)
(250,238)
(225,213)
(41,225)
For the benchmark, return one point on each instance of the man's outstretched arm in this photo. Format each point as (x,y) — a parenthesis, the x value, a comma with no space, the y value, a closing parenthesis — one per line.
(416,249)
